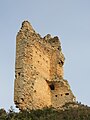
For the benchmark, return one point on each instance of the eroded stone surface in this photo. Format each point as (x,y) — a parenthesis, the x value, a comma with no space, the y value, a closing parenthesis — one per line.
(39,72)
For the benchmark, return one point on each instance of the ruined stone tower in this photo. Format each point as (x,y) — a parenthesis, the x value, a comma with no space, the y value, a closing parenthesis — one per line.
(39,79)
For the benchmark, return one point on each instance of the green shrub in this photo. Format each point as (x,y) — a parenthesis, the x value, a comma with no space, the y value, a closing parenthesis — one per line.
(80,113)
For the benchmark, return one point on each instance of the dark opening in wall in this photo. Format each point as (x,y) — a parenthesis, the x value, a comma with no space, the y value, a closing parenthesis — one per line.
(22,75)
(66,93)
(34,90)
(15,76)
(61,94)
(22,99)
(31,86)
(59,63)
(62,62)
(32,83)
(59,48)
(38,61)
(53,41)
(55,95)
(19,73)
(52,87)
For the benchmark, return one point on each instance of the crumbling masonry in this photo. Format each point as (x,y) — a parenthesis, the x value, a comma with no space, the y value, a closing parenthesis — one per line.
(39,79)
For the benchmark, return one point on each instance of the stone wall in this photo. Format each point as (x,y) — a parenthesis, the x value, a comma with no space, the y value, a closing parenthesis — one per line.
(39,72)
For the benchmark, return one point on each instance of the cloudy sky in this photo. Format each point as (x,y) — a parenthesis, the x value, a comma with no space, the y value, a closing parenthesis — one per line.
(67,19)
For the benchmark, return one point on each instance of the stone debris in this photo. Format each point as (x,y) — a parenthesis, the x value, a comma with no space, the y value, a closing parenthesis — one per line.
(39,72)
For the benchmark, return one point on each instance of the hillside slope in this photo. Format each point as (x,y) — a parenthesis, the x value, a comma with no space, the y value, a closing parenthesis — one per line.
(67,113)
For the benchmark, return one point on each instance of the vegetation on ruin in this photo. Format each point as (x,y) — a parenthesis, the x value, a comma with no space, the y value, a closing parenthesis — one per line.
(77,113)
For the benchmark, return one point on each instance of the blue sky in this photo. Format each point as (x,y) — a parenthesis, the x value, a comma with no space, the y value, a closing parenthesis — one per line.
(67,19)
